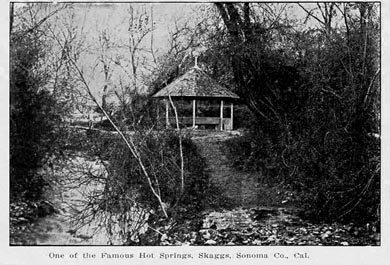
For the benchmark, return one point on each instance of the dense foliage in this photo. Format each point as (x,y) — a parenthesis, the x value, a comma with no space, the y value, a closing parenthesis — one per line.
(33,114)
(316,103)
(160,154)
(37,136)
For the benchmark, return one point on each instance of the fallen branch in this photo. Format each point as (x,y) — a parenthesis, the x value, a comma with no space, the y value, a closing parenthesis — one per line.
(89,129)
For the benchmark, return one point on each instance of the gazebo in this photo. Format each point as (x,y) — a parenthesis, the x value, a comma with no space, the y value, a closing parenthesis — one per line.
(197,85)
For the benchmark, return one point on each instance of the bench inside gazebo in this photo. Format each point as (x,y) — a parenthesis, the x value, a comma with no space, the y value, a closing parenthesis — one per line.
(196,86)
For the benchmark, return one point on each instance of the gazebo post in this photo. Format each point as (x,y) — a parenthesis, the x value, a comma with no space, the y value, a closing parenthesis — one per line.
(221,115)
(231,116)
(167,112)
(193,112)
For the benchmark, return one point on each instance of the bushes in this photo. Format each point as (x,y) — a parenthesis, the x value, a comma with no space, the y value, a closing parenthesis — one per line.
(345,182)
(33,117)
(160,154)
(316,100)
(127,189)
(127,203)
(336,176)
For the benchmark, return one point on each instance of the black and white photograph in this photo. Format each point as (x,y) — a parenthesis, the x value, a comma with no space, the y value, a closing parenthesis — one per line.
(212,124)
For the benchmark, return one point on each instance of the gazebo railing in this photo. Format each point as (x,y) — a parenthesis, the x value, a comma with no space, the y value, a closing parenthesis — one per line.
(188,121)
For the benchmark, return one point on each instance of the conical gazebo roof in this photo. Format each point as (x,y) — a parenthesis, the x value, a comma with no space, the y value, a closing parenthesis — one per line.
(195,84)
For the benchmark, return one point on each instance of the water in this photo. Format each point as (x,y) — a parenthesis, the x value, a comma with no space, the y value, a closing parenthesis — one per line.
(78,186)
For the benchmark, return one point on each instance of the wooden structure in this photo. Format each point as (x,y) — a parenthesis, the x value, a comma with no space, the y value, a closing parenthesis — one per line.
(197,85)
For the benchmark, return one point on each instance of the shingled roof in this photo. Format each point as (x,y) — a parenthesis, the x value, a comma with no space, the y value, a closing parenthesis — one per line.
(195,84)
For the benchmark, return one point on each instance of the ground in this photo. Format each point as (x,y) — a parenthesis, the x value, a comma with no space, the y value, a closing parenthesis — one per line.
(259,214)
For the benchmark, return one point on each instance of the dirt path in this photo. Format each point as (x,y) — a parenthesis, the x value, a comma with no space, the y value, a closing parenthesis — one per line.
(241,187)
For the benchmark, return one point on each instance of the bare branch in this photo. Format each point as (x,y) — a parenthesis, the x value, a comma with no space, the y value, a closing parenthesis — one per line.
(180,145)
(129,142)
(371,84)
(43,20)
(310,13)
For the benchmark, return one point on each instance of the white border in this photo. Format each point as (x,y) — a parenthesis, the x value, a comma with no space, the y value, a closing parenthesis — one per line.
(318,255)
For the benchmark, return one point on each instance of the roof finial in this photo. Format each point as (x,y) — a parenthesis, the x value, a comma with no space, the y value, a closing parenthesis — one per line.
(196,55)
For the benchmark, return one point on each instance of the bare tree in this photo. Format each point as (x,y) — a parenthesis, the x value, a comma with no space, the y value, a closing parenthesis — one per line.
(106,57)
